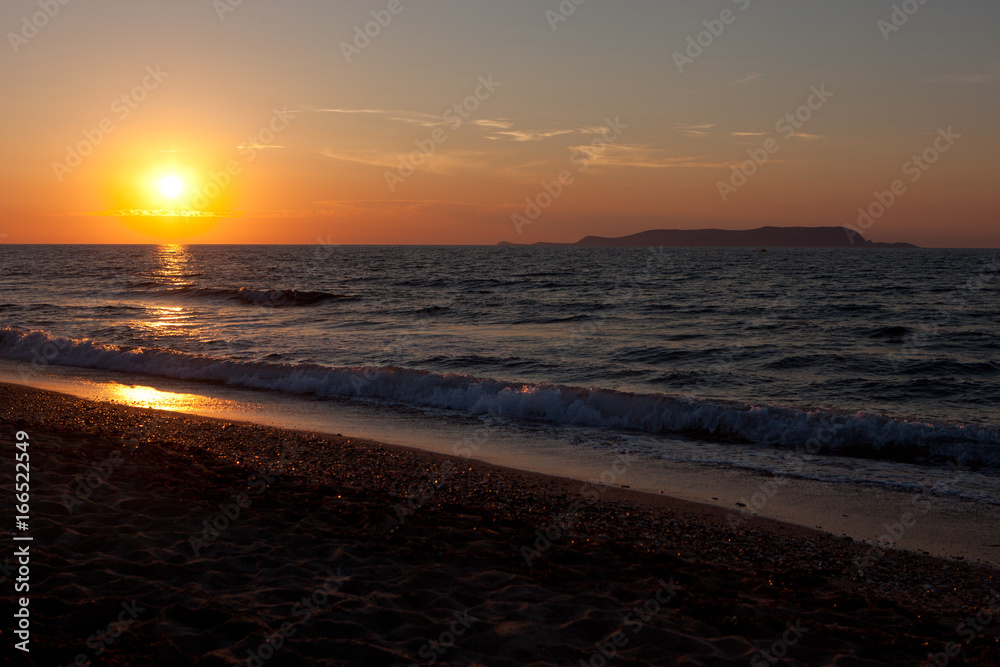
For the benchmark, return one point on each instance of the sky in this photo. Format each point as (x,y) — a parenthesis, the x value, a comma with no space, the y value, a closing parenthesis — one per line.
(479,121)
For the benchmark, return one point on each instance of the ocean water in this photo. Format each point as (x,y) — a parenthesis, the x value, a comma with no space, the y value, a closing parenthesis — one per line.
(870,355)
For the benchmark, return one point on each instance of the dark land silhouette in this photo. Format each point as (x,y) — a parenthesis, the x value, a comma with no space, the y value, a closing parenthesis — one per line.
(763,237)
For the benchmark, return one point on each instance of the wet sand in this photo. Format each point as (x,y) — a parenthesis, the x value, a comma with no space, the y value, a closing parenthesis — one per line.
(164,539)
(947,526)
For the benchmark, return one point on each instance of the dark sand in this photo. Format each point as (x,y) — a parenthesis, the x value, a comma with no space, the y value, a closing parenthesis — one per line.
(347,552)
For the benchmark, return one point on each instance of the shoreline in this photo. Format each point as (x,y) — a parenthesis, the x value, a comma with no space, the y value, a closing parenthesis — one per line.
(438,514)
(943,524)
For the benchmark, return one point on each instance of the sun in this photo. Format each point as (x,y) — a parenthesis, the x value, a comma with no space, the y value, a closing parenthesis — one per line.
(171,186)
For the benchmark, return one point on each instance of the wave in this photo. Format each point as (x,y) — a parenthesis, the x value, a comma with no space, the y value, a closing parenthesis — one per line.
(431,310)
(660,355)
(892,332)
(857,307)
(274,298)
(553,319)
(853,434)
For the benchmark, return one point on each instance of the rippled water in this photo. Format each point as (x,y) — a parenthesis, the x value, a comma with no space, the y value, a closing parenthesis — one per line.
(895,351)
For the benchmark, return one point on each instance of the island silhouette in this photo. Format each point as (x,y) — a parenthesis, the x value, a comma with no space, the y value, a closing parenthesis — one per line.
(764,237)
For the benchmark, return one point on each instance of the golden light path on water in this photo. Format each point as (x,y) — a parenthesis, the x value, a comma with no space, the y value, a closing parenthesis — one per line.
(166,316)
(141,396)
(163,322)
(147,397)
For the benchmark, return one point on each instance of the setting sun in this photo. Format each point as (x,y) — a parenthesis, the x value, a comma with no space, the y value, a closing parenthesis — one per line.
(697,299)
(171,186)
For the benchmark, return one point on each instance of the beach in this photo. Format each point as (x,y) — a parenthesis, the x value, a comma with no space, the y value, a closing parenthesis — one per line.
(165,539)
(569,334)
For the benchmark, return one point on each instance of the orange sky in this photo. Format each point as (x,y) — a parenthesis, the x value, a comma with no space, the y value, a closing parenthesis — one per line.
(284,126)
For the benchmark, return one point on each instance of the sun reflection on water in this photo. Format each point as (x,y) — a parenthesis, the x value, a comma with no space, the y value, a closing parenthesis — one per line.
(171,272)
(173,262)
(168,317)
(147,397)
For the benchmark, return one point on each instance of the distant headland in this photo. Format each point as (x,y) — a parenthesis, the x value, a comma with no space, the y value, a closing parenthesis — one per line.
(763,237)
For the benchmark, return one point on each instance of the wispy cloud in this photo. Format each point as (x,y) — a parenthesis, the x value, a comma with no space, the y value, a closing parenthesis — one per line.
(538,135)
(498,129)
(152,213)
(374,112)
(969,78)
(592,129)
(323,209)
(368,157)
(755,133)
(753,76)
(351,208)
(419,118)
(640,155)
(689,130)
(495,124)
(441,162)
(527,135)
(338,206)
(401,116)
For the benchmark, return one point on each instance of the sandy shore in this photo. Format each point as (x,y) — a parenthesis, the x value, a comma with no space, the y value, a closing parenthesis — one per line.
(162,539)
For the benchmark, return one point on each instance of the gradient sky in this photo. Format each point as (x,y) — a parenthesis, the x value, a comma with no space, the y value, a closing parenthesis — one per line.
(344,125)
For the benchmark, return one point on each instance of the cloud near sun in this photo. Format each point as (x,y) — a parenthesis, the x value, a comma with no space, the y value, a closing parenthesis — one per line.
(449,104)
(160,213)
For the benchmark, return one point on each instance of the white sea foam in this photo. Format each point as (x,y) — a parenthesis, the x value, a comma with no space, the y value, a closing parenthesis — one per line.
(859,434)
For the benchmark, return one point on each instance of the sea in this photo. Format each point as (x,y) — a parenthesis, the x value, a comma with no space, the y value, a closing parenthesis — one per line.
(878,367)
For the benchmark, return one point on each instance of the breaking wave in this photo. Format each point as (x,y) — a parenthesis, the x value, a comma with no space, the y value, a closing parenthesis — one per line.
(852,434)
(274,298)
